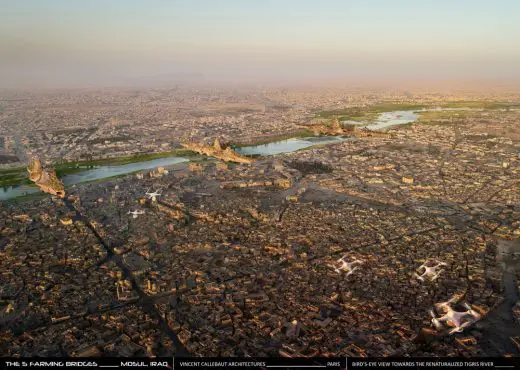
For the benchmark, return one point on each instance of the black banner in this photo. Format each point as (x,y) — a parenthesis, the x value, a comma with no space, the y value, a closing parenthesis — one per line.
(250,363)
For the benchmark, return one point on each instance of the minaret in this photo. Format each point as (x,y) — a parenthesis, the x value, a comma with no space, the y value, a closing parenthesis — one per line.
(216,145)
(336,125)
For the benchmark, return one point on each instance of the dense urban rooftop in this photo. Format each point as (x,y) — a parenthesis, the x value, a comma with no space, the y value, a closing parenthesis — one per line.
(246,259)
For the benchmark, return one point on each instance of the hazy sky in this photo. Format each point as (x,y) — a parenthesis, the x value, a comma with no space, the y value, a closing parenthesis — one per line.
(74,42)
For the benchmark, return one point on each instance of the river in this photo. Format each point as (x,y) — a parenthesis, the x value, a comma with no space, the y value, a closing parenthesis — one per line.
(383,121)
(287,146)
(388,119)
(97,173)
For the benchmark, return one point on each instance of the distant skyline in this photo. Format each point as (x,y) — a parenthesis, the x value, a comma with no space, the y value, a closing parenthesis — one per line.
(62,43)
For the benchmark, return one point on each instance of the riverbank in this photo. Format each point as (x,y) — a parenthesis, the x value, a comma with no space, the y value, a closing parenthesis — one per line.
(293,144)
(14,176)
(360,114)
(67,168)
(18,176)
(22,192)
(268,139)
